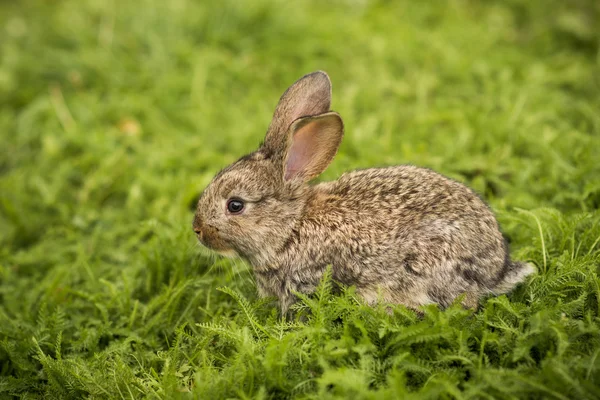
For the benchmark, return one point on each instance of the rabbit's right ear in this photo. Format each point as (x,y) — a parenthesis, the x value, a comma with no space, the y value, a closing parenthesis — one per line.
(308,96)
(314,143)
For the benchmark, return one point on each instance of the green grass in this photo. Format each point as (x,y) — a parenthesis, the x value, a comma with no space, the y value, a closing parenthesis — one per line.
(115,115)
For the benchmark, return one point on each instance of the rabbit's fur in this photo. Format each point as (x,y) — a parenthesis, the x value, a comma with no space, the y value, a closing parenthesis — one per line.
(400,234)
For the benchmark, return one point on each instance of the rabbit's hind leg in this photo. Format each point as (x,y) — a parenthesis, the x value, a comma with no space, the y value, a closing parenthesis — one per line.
(470,300)
(414,297)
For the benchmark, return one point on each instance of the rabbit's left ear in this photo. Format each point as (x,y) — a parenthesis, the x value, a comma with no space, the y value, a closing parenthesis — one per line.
(308,96)
(314,143)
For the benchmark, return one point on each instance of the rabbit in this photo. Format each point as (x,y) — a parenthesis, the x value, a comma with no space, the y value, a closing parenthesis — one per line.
(401,234)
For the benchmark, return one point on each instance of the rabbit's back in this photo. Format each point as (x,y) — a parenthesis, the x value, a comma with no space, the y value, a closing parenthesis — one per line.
(406,234)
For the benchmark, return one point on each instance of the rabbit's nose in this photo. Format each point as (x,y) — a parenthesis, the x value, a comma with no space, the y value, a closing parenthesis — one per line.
(198,232)
(197,225)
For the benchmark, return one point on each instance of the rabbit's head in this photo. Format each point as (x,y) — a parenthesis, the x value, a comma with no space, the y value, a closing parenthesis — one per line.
(250,208)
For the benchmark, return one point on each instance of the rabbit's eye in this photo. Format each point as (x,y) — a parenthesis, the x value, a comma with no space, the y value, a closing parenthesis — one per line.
(235,206)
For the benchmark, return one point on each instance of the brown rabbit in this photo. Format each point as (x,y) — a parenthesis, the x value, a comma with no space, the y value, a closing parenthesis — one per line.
(400,234)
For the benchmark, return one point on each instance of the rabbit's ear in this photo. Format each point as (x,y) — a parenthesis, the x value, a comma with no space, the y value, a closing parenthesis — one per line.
(314,142)
(308,96)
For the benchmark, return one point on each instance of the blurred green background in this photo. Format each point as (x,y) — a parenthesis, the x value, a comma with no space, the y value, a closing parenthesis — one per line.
(114,115)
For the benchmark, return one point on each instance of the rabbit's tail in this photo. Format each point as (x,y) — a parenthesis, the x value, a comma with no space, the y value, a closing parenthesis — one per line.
(515,273)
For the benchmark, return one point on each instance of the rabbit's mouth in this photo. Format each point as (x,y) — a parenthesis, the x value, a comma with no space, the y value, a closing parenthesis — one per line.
(209,237)
(228,253)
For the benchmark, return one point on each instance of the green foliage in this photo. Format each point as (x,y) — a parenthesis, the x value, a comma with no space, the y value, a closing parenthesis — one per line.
(115,115)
